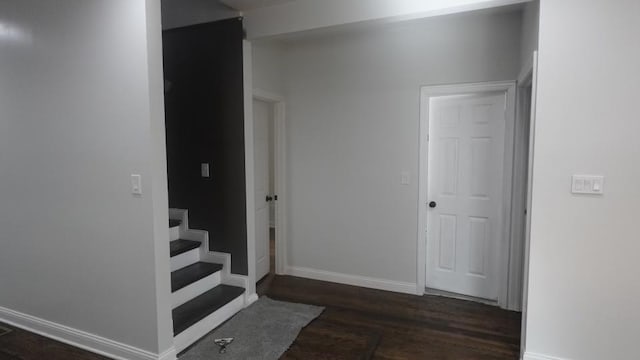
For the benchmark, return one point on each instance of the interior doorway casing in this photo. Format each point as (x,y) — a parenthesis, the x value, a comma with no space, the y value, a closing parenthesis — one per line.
(279,167)
(426,93)
(528,77)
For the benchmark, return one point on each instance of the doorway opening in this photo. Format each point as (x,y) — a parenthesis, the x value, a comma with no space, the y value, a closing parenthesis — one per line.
(472,160)
(268,148)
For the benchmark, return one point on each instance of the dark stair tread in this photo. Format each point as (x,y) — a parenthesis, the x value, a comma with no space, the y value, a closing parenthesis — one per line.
(192,273)
(202,306)
(177,247)
(174,222)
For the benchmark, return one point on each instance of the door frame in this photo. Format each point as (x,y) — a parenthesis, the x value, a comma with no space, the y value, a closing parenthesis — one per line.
(426,93)
(530,72)
(279,167)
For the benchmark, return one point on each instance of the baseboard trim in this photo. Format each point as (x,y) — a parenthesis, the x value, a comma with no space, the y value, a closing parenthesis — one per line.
(251,299)
(362,281)
(534,356)
(170,354)
(80,339)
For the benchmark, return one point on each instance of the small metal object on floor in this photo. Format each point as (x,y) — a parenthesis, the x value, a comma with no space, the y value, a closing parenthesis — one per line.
(222,343)
(4,331)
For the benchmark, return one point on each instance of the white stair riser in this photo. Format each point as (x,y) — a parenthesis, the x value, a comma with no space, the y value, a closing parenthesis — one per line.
(180,214)
(174,233)
(197,288)
(204,326)
(185,259)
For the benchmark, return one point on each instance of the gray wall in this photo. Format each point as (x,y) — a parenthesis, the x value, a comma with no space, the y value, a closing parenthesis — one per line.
(530,29)
(179,13)
(583,280)
(78,116)
(352,128)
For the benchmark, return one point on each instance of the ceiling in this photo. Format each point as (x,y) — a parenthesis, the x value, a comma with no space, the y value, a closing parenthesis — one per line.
(245,5)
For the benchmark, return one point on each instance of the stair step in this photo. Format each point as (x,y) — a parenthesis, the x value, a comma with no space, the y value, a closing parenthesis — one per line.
(174,222)
(186,315)
(180,246)
(192,273)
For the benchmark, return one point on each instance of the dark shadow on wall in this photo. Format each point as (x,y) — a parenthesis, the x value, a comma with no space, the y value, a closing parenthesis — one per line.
(205,124)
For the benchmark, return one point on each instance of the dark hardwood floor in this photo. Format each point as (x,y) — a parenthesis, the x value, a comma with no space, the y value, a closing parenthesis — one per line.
(23,345)
(362,323)
(357,323)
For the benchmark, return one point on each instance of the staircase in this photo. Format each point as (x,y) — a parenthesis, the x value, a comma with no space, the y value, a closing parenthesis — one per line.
(204,292)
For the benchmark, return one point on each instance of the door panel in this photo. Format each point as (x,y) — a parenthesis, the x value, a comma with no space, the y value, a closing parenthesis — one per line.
(261,119)
(466,161)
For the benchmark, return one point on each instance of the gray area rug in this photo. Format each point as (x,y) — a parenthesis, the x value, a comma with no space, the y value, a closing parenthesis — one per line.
(263,331)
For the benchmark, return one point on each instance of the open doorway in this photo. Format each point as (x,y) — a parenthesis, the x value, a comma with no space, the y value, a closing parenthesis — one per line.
(268,133)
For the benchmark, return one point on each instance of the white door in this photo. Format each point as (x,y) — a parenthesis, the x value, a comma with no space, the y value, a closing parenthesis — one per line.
(261,118)
(465,194)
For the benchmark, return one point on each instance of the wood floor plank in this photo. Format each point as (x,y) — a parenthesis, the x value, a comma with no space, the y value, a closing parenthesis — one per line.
(408,326)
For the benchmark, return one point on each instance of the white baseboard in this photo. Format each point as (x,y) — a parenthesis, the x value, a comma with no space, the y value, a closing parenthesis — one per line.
(80,339)
(170,354)
(534,356)
(251,298)
(363,281)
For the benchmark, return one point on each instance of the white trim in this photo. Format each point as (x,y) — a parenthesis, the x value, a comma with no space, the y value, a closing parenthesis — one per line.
(80,339)
(519,191)
(534,356)
(279,138)
(267,96)
(427,92)
(251,299)
(527,234)
(204,326)
(170,354)
(247,61)
(174,233)
(355,280)
(195,289)
(182,215)
(185,259)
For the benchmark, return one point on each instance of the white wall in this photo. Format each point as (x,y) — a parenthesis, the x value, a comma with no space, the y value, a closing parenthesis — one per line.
(78,115)
(530,28)
(304,15)
(352,128)
(583,284)
(268,67)
(179,13)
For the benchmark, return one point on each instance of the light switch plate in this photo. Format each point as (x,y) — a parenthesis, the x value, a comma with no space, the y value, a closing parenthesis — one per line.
(136,184)
(405,178)
(204,170)
(587,184)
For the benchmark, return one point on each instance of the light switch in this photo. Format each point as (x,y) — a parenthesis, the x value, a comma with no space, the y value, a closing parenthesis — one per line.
(204,170)
(587,184)
(136,184)
(405,178)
